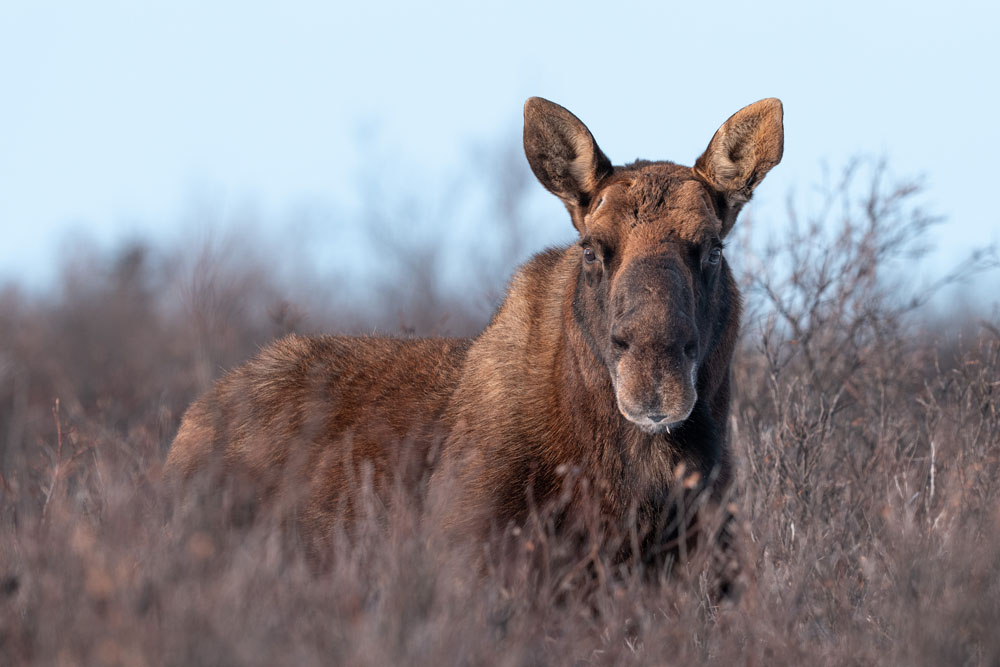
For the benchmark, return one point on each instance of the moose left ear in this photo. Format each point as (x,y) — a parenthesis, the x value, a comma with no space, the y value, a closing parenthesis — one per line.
(741,153)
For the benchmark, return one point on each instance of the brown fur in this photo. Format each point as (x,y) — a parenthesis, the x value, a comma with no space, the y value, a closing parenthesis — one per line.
(609,358)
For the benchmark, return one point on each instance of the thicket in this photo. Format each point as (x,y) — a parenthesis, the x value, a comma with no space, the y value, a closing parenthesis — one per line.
(866,434)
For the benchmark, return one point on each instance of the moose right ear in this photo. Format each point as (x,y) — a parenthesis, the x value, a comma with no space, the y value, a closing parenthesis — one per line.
(563,155)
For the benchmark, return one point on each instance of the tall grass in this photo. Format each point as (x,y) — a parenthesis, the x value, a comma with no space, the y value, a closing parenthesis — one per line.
(866,434)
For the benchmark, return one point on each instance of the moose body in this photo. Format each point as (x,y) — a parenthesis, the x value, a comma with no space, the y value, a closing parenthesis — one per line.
(608,358)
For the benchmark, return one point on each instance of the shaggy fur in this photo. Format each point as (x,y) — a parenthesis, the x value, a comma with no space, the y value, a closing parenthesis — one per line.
(607,363)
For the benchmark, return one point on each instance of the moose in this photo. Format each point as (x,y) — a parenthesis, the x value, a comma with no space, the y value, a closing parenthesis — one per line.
(608,357)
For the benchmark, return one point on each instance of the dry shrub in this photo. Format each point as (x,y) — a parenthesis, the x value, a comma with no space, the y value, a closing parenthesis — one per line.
(867,439)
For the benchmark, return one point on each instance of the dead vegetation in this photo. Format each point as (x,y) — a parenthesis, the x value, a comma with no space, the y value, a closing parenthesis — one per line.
(867,438)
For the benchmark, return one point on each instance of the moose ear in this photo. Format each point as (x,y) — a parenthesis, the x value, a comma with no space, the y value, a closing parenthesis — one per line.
(563,155)
(740,154)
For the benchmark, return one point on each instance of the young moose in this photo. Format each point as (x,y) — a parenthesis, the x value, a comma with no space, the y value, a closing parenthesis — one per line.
(609,357)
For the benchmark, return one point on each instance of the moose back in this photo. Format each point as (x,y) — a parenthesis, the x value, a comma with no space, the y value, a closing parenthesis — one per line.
(609,357)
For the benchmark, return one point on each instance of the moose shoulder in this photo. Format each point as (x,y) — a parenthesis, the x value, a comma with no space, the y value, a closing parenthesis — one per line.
(609,357)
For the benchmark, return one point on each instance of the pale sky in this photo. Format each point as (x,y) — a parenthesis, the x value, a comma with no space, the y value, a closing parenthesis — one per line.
(115,116)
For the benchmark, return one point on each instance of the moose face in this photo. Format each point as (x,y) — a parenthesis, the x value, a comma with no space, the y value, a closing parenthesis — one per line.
(654,283)
(654,290)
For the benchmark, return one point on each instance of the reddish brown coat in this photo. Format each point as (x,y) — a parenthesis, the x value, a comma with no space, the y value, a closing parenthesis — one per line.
(609,358)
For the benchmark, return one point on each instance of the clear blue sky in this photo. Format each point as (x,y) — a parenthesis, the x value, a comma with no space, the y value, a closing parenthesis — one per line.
(114,115)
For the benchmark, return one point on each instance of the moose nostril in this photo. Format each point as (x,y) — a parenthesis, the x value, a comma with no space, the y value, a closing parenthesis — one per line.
(691,350)
(657,418)
(619,343)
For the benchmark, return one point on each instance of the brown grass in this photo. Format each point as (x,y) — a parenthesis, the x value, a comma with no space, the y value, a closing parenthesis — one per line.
(867,438)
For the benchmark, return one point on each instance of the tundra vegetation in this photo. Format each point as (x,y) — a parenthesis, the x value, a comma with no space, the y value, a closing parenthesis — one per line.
(864,432)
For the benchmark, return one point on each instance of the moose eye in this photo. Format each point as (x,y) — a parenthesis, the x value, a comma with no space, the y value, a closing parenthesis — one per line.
(589,255)
(715,255)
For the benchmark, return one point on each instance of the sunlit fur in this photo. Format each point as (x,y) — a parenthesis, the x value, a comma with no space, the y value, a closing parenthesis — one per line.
(614,368)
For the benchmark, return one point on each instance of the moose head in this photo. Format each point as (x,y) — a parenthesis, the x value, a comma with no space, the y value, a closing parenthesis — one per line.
(653,286)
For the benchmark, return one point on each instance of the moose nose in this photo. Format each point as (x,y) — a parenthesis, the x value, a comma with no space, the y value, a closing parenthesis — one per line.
(656,418)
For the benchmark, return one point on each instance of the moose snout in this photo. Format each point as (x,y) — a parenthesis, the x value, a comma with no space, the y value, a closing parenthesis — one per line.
(671,412)
(656,383)
(654,343)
